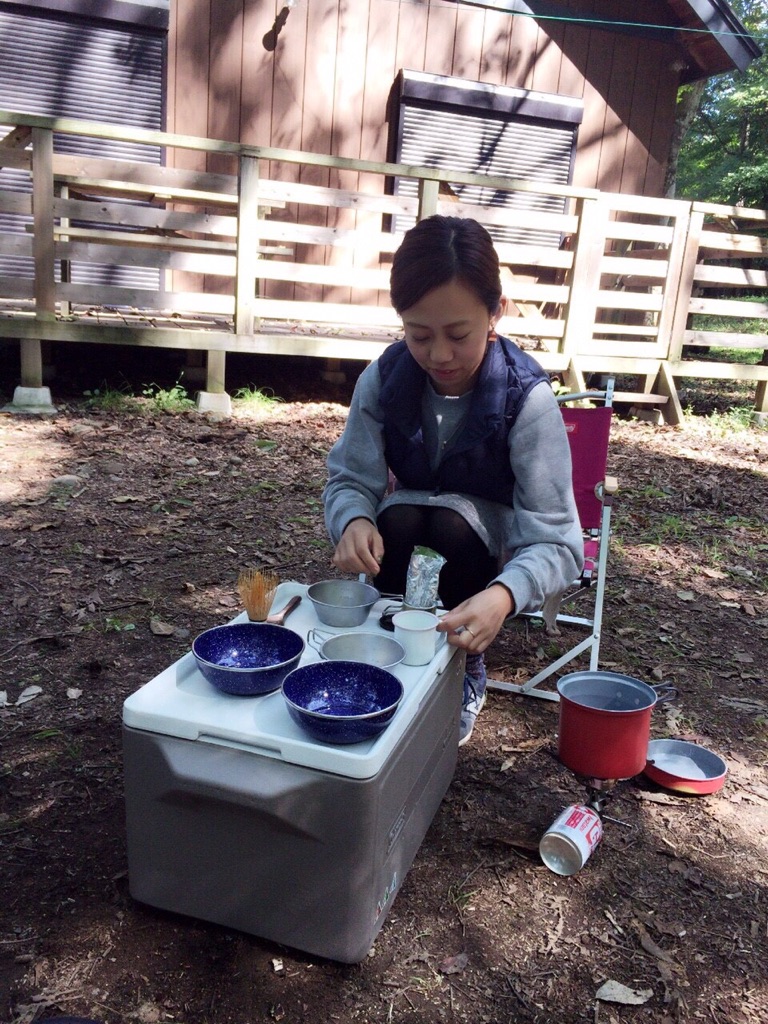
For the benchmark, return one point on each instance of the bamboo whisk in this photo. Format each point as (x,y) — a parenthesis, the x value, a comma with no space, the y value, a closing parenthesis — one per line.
(257,589)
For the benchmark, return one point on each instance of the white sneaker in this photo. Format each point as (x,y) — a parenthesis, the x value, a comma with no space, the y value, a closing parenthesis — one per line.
(471,708)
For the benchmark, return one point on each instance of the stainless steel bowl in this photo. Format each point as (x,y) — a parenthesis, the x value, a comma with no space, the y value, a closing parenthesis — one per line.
(344,603)
(368,648)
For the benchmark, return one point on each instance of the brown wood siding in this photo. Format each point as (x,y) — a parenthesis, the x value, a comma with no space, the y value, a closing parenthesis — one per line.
(325,86)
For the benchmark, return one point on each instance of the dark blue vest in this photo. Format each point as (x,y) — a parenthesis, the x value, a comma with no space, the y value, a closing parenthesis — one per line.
(477,462)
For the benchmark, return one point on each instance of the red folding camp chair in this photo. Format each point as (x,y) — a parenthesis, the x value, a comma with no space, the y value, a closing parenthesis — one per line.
(588,429)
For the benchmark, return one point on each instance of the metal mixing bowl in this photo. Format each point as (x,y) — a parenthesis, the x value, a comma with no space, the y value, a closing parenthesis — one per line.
(368,648)
(344,603)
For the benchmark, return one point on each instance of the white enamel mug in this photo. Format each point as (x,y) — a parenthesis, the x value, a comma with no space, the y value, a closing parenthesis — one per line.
(416,632)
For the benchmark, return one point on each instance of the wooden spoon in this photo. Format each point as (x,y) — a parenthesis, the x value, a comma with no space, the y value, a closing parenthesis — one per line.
(278,618)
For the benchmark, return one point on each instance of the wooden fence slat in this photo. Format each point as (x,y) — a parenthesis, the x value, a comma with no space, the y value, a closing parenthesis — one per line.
(729,213)
(15,202)
(327,312)
(625,330)
(123,239)
(317,195)
(719,371)
(16,287)
(155,177)
(146,299)
(684,285)
(585,276)
(729,243)
(738,277)
(15,159)
(729,307)
(247,246)
(16,245)
(628,300)
(626,231)
(608,347)
(112,255)
(156,218)
(721,339)
(630,266)
(615,296)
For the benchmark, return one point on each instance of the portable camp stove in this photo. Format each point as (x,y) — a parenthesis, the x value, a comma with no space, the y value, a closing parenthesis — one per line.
(599,792)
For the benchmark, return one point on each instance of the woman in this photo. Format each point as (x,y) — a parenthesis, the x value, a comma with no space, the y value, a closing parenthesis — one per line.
(468,426)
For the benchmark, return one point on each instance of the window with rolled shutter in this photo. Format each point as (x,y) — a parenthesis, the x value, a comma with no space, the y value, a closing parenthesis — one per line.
(57,62)
(457,125)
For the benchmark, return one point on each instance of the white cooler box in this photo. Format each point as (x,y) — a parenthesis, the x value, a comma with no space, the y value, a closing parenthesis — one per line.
(235,816)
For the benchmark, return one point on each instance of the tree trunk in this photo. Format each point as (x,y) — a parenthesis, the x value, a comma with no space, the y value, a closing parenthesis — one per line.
(688,103)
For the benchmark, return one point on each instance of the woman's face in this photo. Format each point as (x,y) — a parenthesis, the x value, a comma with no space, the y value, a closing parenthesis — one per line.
(446,332)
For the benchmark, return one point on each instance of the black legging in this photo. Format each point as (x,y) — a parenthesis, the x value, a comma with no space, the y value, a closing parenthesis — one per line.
(468,569)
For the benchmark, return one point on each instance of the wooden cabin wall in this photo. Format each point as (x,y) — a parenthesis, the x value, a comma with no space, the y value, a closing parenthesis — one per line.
(325,86)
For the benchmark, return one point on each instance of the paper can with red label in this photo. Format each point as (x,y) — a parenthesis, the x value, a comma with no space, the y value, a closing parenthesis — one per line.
(568,842)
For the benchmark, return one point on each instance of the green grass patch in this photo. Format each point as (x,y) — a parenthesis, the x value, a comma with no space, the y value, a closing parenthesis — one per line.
(172,400)
(109,399)
(255,400)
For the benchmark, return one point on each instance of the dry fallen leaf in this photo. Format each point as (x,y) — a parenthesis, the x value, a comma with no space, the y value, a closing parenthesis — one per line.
(29,693)
(714,574)
(454,964)
(160,628)
(647,942)
(615,992)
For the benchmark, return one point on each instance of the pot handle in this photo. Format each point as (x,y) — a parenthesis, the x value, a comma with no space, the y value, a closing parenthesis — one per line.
(665,692)
(316,638)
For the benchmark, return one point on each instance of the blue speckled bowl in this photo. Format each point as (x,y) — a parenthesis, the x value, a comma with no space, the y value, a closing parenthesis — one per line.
(342,701)
(247,658)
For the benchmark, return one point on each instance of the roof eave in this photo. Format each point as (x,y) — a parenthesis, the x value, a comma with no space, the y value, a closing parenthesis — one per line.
(737,45)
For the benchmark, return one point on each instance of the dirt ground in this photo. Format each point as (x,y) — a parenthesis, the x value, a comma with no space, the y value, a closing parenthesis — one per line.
(121,536)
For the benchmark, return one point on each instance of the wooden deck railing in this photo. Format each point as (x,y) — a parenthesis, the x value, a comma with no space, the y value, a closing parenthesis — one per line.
(288,253)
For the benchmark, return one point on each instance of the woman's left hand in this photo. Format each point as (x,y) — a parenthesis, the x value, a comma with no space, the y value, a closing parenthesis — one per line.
(474,623)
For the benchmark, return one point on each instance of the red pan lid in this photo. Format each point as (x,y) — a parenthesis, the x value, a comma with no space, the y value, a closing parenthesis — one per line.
(685,767)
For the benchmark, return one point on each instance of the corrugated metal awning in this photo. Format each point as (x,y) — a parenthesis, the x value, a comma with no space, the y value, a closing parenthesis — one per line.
(56,64)
(471,127)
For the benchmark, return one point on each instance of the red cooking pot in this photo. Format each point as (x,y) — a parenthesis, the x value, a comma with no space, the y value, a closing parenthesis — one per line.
(605,723)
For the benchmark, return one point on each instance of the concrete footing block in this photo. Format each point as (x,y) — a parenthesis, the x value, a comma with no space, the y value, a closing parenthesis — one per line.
(213,401)
(31,402)
(760,419)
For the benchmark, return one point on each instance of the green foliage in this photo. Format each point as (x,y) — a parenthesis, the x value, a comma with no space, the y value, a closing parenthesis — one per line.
(724,158)
(173,399)
(255,399)
(116,624)
(734,421)
(108,399)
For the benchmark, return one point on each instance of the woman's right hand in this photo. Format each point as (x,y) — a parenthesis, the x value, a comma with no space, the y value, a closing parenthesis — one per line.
(360,549)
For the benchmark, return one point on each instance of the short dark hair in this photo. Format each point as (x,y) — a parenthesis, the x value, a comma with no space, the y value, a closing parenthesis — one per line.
(438,250)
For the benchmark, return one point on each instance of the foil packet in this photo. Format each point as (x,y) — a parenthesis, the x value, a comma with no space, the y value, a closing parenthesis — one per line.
(422,579)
